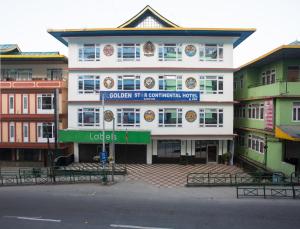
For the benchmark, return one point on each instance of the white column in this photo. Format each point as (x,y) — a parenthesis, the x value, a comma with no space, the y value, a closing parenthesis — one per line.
(189,148)
(76,152)
(183,147)
(232,152)
(149,153)
(154,147)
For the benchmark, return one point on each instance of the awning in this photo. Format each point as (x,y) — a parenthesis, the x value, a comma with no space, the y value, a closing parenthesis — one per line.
(291,133)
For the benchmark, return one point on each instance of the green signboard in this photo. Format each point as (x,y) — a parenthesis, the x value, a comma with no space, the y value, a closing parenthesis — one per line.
(82,136)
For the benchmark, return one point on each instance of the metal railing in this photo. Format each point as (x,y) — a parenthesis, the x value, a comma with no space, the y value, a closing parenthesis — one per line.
(228,179)
(59,175)
(268,192)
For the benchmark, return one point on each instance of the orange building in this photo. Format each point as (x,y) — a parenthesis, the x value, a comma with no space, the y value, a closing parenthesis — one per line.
(27,111)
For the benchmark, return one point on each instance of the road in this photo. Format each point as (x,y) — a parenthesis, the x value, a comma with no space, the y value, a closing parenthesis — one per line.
(141,206)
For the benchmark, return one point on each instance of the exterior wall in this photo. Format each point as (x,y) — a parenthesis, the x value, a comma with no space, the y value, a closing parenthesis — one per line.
(186,129)
(286,117)
(110,62)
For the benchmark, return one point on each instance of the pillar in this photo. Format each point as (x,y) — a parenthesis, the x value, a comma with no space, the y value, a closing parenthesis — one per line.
(76,152)
(149,153)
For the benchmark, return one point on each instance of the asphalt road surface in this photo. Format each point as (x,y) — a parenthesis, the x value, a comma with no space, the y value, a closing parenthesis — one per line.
(140,206)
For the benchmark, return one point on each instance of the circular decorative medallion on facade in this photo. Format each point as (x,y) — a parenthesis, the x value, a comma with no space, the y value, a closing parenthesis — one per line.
(149,82)
(190,116)
(108,50)
(149,49)
(109,82)
(149,116)
(190,50)
(190,83)
(108,116)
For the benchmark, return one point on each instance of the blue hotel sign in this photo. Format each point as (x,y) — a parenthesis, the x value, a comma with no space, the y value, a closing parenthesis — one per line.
(151,95)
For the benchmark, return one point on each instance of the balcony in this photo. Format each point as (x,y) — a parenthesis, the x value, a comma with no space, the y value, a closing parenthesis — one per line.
(280,88)
(33,84)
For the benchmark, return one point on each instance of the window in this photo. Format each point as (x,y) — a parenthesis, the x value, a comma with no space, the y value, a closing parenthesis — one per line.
(256,143)
(170,83)
(170,52)
(296,111)
(293,73)
(12,132)
(16,74)
(45,102)
(54,74)
(268,77)
(262,111)
(170,117)
(89,52)
(45,131)
(256,111)
(129,52)
(88,84)
(211,84)
(211,52)
(88,117)
(168,148)
(211,117)
(25,104)
(128,117)
(129,82)
(11,104)
(242,81)
(25,132)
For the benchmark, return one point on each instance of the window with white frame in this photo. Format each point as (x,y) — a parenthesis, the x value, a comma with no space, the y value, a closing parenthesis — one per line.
(211,52)
(129,52)
(54,74)
(128,117)
(170,52)
(256,143)
(89,52)
(45,103)
(12,132)
(170,83)
(45,131)
(88,84)
(211,84)
(170,117)
(88,116)
(268,76)
(296,111)
(11,104)
(211,117)
(129,82)
(25,104)
(25,132)
(256,111)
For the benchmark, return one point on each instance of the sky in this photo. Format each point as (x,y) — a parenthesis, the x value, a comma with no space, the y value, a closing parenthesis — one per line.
(25,22)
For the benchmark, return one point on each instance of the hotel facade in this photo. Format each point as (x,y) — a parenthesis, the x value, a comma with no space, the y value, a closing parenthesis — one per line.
(168,90)
(28,82)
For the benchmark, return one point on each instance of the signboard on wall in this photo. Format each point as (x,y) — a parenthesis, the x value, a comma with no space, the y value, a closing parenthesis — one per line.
(94,136)
(268,116)
(151,95)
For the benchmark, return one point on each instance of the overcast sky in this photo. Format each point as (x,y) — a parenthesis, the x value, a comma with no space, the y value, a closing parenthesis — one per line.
(25,22)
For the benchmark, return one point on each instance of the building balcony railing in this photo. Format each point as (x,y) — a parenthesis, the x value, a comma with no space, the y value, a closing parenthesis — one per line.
(34,84)
(279,88)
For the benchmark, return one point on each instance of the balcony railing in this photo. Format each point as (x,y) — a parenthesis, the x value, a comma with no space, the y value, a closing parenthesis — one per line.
(33,84)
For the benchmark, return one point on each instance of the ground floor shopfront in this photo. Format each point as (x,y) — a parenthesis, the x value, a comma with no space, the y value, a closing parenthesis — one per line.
(140,147)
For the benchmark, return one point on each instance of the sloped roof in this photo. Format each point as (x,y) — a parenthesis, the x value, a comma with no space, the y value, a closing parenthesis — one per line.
(144,13)
(9,48)
(283,51)
(13,52)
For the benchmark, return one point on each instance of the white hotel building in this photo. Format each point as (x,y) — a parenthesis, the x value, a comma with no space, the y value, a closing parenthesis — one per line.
(169,88)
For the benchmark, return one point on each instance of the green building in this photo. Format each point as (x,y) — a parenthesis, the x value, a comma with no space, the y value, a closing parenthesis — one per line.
(267,112)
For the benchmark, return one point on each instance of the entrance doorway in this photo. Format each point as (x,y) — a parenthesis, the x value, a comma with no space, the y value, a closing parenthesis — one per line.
(212,153)
(130,154)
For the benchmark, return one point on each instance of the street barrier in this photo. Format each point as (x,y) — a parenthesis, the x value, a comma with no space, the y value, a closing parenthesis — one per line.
(57,175)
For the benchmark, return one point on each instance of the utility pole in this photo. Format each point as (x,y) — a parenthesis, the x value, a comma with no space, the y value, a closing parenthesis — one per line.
(113,150)
(56,119)
(103,125)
